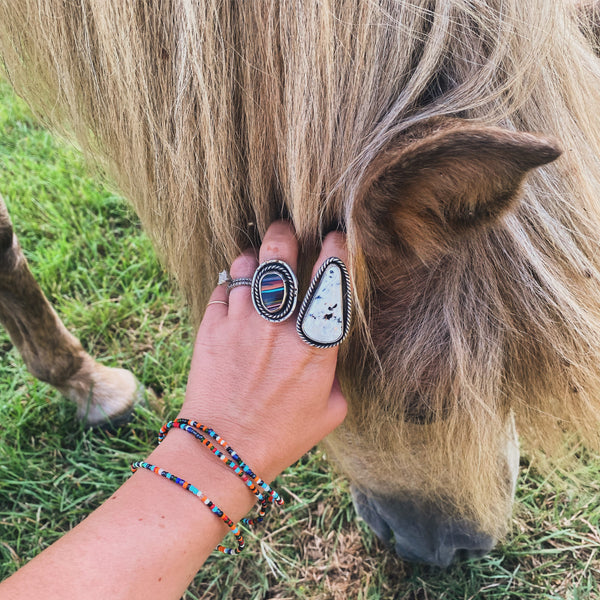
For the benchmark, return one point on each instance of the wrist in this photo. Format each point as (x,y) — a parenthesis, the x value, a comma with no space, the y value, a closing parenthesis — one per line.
(185,457)
(253,447)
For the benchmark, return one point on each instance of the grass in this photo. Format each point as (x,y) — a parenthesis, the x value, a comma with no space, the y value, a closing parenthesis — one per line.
(90,257)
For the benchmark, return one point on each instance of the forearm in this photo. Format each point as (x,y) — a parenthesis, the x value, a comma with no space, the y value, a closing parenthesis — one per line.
(276,397)
(148,540)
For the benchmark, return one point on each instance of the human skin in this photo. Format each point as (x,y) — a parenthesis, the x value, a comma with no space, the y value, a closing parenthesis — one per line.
(265,391)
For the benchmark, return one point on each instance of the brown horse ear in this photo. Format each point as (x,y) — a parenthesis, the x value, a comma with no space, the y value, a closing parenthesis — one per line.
(442,182)
(588,13)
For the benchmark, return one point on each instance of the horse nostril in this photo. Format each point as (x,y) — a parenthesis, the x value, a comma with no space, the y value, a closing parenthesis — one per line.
(421,533)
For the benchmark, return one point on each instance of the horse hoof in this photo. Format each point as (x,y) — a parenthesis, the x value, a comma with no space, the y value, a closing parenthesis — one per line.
(104,395)
(114,396)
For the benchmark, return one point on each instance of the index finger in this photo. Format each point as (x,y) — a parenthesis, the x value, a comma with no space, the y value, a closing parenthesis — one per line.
(334,244)
(324,318)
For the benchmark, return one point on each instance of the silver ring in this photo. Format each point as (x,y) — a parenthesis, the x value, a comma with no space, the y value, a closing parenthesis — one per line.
(326,311)
(218,302)
(233,283)
(274,290)
(223,277)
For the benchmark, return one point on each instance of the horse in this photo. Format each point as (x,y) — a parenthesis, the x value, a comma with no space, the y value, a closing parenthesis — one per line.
(456,143)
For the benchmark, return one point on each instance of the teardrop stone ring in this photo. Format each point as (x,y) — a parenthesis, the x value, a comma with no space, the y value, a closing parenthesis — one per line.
(325,314)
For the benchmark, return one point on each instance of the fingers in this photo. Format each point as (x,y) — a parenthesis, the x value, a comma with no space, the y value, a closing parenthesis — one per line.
(335,411)
(280,243)
(240,304)
(334,244)
(243,266)
(337,406)
(217,306)
(325,319)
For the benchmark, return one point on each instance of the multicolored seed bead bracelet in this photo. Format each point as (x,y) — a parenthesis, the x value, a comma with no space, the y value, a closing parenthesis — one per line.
(266,498)
(194,490)
(236,463)
(223,457)
(233,461)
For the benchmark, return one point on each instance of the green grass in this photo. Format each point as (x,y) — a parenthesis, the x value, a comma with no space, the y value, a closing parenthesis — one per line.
(90,257)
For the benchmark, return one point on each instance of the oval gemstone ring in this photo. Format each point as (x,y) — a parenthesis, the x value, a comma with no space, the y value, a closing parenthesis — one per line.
(274,290)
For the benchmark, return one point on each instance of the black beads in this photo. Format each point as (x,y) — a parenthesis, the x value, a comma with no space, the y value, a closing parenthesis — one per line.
(274,290)
(325,314)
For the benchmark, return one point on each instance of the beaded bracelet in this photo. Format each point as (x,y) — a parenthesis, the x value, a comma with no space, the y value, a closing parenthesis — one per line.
(240,468)
(186,485)
(234,462)
(230,462)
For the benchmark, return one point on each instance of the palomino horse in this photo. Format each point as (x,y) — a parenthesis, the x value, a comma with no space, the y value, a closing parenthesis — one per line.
(404,122)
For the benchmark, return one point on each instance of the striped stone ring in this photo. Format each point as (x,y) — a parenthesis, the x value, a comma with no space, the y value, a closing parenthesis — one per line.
(274,290)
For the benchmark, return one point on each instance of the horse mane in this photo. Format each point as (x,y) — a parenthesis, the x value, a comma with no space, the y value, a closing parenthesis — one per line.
(218,117)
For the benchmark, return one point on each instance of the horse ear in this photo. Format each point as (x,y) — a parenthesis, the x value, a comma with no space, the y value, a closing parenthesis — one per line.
(588,14)
(442,182)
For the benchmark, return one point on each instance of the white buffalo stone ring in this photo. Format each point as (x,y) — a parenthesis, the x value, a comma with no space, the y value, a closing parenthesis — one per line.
(274,290)
(325,314)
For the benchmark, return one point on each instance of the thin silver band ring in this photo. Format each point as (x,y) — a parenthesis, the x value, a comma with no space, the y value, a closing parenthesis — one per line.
(218,302)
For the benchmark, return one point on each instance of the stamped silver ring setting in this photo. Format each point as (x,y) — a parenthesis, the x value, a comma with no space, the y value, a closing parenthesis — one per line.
(274,290)
(326,312)
(233,283)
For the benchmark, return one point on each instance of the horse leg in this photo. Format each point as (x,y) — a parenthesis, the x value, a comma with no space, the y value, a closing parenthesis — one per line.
(422,531)
(51,353)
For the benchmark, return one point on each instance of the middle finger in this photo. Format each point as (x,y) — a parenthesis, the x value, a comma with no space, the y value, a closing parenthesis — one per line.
(280,243)
(275,287)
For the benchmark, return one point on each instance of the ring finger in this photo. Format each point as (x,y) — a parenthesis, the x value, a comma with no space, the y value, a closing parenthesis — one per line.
(240,304)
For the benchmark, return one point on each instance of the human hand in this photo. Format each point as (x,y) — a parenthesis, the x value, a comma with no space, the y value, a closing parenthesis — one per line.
(265,391)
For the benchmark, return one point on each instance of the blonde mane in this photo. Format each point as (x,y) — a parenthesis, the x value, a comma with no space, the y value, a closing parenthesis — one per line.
(218,117)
